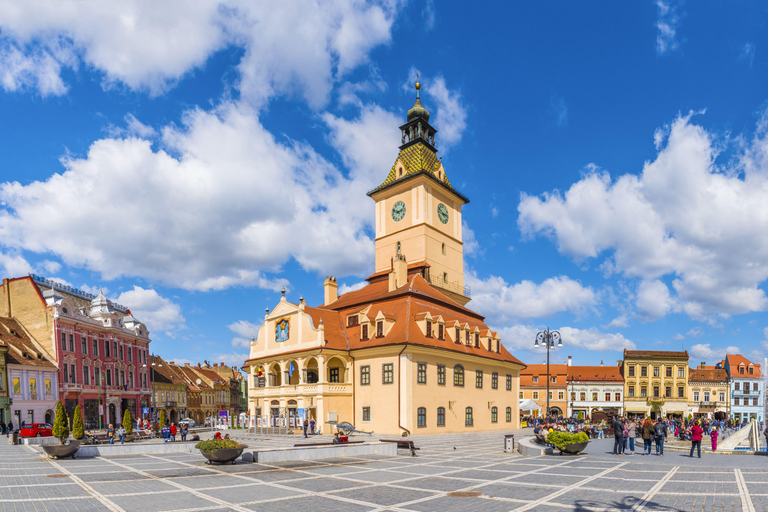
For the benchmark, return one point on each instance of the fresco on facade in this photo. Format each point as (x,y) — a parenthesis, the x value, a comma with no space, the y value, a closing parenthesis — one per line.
(282,330)
(33,386)
(16,385)
(48,388)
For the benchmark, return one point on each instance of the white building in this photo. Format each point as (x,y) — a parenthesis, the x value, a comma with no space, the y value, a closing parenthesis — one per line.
(595,388)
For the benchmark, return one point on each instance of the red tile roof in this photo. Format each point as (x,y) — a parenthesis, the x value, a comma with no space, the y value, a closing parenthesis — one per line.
(698,375)
(21,348)
(594,374)
(654,353)
(734,360)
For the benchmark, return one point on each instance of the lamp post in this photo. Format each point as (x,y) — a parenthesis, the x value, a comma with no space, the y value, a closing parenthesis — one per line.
(152,380)
(548,338)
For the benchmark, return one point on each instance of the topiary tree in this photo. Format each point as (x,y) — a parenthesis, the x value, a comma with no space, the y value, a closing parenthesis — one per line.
(127,422)
(162,419)
(60,424)
(77,423)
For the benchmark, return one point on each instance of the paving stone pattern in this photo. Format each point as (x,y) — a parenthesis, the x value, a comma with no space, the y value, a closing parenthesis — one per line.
(595,481)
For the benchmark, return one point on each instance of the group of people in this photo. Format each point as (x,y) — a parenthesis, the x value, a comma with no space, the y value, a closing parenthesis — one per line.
(6,429)
(308,425)
(168,433)
(626,430)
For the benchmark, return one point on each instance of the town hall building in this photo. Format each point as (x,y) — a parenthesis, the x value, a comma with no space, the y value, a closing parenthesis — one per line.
(403,353)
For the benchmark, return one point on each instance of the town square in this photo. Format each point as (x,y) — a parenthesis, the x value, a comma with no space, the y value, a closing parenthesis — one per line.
(369,255)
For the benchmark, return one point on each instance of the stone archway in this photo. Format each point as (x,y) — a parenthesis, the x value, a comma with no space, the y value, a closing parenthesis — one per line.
(49,414)
(112,414)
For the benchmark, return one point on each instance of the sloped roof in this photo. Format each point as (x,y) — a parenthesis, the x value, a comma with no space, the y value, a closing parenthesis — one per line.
(698,375)
(594,374)
(540,371)
(734,360)
(654,353)
(19,343)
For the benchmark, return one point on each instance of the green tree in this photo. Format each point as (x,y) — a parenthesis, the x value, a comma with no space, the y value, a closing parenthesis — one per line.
(77,424)
(60,424)
(128,422)
(162,419)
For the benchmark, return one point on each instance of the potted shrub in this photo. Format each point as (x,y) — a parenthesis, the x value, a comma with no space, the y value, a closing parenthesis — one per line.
(128,426)
(61,430)
(221,450)
(567,442)
(78,431)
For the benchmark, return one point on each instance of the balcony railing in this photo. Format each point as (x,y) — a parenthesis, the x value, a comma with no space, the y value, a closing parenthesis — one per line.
(710,403)
(72,386)
(451,286)
(171,403)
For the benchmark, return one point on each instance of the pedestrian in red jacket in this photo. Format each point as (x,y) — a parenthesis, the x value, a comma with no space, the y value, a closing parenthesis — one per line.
(173,431)
(696,433)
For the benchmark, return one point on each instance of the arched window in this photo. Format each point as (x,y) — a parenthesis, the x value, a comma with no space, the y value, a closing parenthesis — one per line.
(458,375)
(509,415)
(468,419)
(421,417)
(443,249)
(441,416)
(494,414)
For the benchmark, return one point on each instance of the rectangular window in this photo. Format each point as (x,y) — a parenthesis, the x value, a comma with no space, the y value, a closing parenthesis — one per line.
(441,375)
(352,320)
(521,395)
(63,341)
(754,400)
(695,396)
(737,386)
(367,413)
(656,391)
(95,347)
(594,397)
(365,375)
(746,387)
(96,376)
(722,397)
(669,371)
(441,416)
(494,415)
(71,342)
(509,382)
(561,395)
(631,391)
(121,352)
(114,349)
(553,380)
(468,418)
(706,397)
(466,339)
(479,379)
(643,391)
(421,417)
(84,345)
(132,380)
(583,396)
(364,334)
(421,373)
(535,380)
(440,332)
(334,375)
(387,373)
(656,371)
(607,397)
(72,374)
(477,340)
(380,329)
(109,377)
(680,392)
(458,335)
(617,397)
(66,373)
(736,400)
(509,415)
(681,372)
(668,392)
(631,370)
(535,395)
(495,380)
(429,329)
(751,372)
(86,376)
(643,371)
(106,348)
(550,396)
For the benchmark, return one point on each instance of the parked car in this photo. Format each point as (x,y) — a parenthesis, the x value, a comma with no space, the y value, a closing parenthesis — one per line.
(188,422)
(36,430)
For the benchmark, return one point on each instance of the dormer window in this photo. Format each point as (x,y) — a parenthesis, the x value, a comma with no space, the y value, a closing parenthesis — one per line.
(352,320)
(429,329)
(535,380)
(477,340)
(440,332)
(466,339)
(380,329)
(751,371)
(364,332)
(741,370)
(458,335)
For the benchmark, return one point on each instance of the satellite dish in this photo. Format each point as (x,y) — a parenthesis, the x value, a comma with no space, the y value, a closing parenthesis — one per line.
(198,382)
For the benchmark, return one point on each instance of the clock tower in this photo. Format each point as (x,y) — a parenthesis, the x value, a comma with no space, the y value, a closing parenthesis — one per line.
(418,212)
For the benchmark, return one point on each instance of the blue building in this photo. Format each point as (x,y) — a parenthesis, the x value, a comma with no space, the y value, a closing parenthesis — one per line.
(747,394)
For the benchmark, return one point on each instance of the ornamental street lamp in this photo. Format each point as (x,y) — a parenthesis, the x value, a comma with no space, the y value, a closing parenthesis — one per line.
(548,338)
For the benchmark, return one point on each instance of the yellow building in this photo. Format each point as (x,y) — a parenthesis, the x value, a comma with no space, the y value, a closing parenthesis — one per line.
(655,383)
(709,392)
(403,353)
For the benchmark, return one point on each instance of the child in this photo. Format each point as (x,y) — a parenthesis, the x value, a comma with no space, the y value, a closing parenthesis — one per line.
(713,437)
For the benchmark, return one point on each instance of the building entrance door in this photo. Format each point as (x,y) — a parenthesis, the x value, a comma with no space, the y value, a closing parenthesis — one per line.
(112,415)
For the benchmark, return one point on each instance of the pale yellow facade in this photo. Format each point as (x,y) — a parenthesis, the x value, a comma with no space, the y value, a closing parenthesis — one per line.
(656,383)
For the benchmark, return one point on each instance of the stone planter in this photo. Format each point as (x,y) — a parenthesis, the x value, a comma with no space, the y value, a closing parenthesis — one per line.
(61,450)
(575,448)
(224,456)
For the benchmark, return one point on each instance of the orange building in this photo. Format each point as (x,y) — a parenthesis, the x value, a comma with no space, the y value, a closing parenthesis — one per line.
(533,385)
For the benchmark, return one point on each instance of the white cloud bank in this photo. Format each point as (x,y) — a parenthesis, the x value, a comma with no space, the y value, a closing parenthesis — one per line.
(158,313)
(703,352)
(685,217)
(521,337)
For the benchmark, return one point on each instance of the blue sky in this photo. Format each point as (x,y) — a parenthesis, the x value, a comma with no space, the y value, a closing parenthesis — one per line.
(194,159)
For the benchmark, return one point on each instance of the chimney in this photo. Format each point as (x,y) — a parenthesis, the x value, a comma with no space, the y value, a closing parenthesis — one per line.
(398,276)
(171,362)
(234,368)
(703,364)
(221,363)
(186,364)
(569,360)
(215,365)
(331,290)
(601,362)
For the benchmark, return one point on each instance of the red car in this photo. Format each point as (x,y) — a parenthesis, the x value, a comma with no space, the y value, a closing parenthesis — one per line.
(36,430)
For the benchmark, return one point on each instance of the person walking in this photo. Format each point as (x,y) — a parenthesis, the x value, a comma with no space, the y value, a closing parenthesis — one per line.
(174,430)
(660,432)
(121,434)
(632,433)
(647,435)
(625,435)
(618,436)
(305,426)
(696,433)
(111,434)
(312,426)
(713,438)
(184,430)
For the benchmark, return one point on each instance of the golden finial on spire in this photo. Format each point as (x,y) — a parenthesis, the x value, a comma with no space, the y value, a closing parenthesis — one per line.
(418,85)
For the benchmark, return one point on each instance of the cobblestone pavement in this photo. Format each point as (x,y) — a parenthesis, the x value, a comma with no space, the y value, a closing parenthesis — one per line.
(596,481)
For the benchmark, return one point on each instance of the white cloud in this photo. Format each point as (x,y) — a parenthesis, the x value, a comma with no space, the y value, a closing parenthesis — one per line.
(428,14)
(295,47)
(14,265)
(695,332)
(450,118)
(653,300)
(619,321)
(221,202)
(559,110)
(230,359)
(345,288)
(679,336)
(502,302)
(684,216)
(748,53)
(521,337)
(703,352)
(245,331)
(666,24)
(153,310)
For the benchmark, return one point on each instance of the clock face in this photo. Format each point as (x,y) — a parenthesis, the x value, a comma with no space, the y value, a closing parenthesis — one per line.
(398,211)
(442,213)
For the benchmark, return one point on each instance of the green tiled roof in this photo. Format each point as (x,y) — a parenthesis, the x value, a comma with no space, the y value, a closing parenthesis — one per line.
(415,158)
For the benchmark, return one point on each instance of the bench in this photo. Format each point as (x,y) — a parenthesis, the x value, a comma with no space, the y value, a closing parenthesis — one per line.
(329,444)
(402,443)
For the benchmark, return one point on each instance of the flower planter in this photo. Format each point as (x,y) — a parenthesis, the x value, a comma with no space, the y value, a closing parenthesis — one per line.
(575,448)
(224,455)
(58,451)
